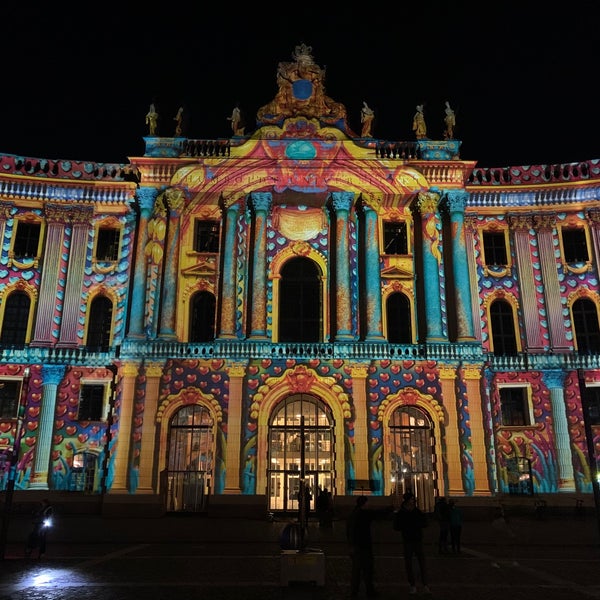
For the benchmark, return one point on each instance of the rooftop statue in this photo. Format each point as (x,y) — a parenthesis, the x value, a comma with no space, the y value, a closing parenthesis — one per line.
(301,92)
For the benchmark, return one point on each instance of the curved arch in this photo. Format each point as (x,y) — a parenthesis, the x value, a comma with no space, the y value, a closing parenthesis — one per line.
(393,298)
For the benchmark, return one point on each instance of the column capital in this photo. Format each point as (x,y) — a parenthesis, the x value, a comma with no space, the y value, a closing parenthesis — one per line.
(553,378)
(261,201)
(456,200)
(428,202)
(146,196)
(342,200)
(544,222)
(53,374)
(175,199)
(520,222)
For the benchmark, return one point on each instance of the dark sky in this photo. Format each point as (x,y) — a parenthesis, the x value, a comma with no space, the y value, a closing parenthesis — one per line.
(522,78)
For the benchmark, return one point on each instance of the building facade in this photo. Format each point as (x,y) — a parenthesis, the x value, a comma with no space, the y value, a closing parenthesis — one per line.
(299,306)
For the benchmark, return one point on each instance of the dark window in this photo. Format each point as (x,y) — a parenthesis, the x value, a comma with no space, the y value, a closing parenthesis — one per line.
(514,406)
(91,402)
(503,328)
(202,317)
(575,245)
(9,398)
(398,319)
(206,236)
(300,302)
(16,318)
(593,404)
(107,244)
(100,321)
(27,240)
(494,248)
(395,238)
(585,322)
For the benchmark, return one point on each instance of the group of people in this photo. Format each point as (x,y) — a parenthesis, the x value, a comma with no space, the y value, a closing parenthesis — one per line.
(410,521)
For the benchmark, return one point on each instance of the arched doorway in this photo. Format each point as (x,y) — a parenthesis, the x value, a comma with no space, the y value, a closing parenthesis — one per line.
(412,455)
(301,444)
(190,459)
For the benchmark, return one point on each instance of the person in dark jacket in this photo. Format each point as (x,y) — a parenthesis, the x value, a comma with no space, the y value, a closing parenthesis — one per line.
(411,521)
(358,532)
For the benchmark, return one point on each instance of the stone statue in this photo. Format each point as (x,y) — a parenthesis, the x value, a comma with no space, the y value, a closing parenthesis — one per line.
(178,118)
(366,118)
(152,120)
(419,126)
(450,122)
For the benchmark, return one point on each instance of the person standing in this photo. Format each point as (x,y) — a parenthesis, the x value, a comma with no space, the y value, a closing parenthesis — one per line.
(411,521)
(360,541)
(41,522)
(442,514)
(455,526)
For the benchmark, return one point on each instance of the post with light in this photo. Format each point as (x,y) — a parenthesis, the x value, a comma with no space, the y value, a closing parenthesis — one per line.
(589,438)
(14,461)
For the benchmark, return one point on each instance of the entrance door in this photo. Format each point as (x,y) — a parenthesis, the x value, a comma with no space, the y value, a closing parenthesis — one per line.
(412,457)
(301,442)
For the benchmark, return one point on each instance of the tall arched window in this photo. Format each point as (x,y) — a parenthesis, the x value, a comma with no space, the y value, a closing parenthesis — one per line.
(99,324)
(399,329)
(16,319)
(202,317)
(503,328)
(585,322)
(300,302)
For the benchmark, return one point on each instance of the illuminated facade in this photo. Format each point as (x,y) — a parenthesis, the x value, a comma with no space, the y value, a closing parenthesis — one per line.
(225,317)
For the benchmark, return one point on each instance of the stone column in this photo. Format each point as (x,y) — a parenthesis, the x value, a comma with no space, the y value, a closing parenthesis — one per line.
(147,448)
(552,296)
(52,375)
(52,284)
(129,373)
(146,197)
(236,372)
(521,226)
(555,381)
(261,202)
(69,324)
(229,285)
(342,202)
(594,221)
(374,331)
(447,381)
(361,424)
(455,201)
(469,228)
(175,201)
(432,258)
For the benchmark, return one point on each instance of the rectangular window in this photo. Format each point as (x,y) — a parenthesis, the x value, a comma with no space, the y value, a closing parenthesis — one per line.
(91,402)
(494,248)
(27,239)
(107,244)
(206,236)
(395,238)
(574,245)
(593,404)
(9,398)
(514,406)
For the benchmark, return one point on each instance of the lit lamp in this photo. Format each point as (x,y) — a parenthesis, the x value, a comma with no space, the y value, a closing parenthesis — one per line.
(14,460)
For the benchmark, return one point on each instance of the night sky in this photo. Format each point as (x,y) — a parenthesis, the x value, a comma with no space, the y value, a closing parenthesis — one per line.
(521,78)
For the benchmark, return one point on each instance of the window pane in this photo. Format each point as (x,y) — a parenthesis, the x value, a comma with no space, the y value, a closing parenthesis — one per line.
(395,239)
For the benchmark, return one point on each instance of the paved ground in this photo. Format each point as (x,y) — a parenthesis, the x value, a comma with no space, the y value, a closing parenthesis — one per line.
(218,558)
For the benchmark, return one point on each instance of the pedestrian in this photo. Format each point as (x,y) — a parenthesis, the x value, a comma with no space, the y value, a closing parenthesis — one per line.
(455,526)
(442,514)
(411,521)
(360,541)
(323,507)
(42,519)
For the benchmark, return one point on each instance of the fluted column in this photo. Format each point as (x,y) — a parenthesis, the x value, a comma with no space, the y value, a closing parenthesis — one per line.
(469,228)
(455,201)
(432,258)
(229,283)
(555,381)
(52,375)
(53,281)
(447,381)
(521,226)
(175,201)
(148,442)
(261,203)
(372,276)
(361,421)
(342,202)
(594,221)
(121,450)
(236,372)
(80,218)
(145,197)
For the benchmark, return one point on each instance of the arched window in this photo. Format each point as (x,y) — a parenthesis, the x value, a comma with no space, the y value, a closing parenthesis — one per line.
(99,324)
(585,322)
(202,317)
(16,319)
(503,328)
(300,302)
(399,329)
